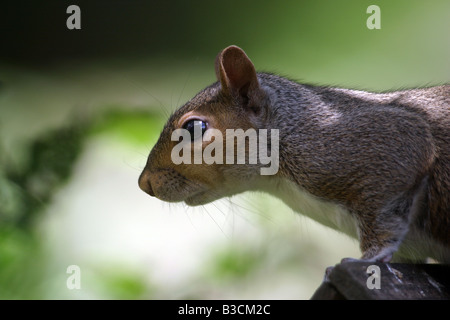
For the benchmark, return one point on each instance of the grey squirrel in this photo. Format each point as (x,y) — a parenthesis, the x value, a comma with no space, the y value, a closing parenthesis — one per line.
(375,166)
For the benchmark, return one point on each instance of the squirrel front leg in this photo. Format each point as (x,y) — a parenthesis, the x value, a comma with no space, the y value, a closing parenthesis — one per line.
(380,240)
(382,232)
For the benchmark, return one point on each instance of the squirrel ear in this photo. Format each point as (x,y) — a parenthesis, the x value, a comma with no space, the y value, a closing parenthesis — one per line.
(236,73)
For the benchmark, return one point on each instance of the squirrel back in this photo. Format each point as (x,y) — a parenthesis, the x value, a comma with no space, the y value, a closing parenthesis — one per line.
(376,164)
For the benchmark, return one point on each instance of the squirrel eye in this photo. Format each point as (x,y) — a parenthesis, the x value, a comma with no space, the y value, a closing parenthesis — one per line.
(193,127)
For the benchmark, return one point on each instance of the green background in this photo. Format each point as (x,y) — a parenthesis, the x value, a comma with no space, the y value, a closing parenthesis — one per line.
(81,109)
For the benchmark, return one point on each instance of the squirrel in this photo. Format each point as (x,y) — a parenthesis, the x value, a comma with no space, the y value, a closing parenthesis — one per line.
(375,166)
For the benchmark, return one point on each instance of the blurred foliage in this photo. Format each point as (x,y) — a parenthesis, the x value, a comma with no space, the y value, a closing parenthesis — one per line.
(116,282)
(22,266)
(50,162)
(24,193)
(26,190)
(135,127)
(234,263)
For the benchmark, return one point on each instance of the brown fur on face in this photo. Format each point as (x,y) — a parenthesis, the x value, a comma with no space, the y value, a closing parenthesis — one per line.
(197,183)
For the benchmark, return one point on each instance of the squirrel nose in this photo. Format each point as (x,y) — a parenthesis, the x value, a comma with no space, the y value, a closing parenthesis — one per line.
(149,189)
(145,184)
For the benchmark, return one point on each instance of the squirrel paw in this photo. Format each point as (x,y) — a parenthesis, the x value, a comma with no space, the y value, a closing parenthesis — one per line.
(348,259)
(384,258)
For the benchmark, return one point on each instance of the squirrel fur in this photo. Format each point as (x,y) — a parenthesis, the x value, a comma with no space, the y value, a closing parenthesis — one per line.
(373,165)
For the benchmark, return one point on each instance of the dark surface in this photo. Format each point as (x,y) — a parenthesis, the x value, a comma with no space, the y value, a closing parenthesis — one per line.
(397,282)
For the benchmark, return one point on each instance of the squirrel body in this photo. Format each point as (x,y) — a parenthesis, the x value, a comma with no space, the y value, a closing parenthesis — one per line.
(373,165)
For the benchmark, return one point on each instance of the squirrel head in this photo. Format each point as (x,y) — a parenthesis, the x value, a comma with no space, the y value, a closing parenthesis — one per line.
(236,101)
